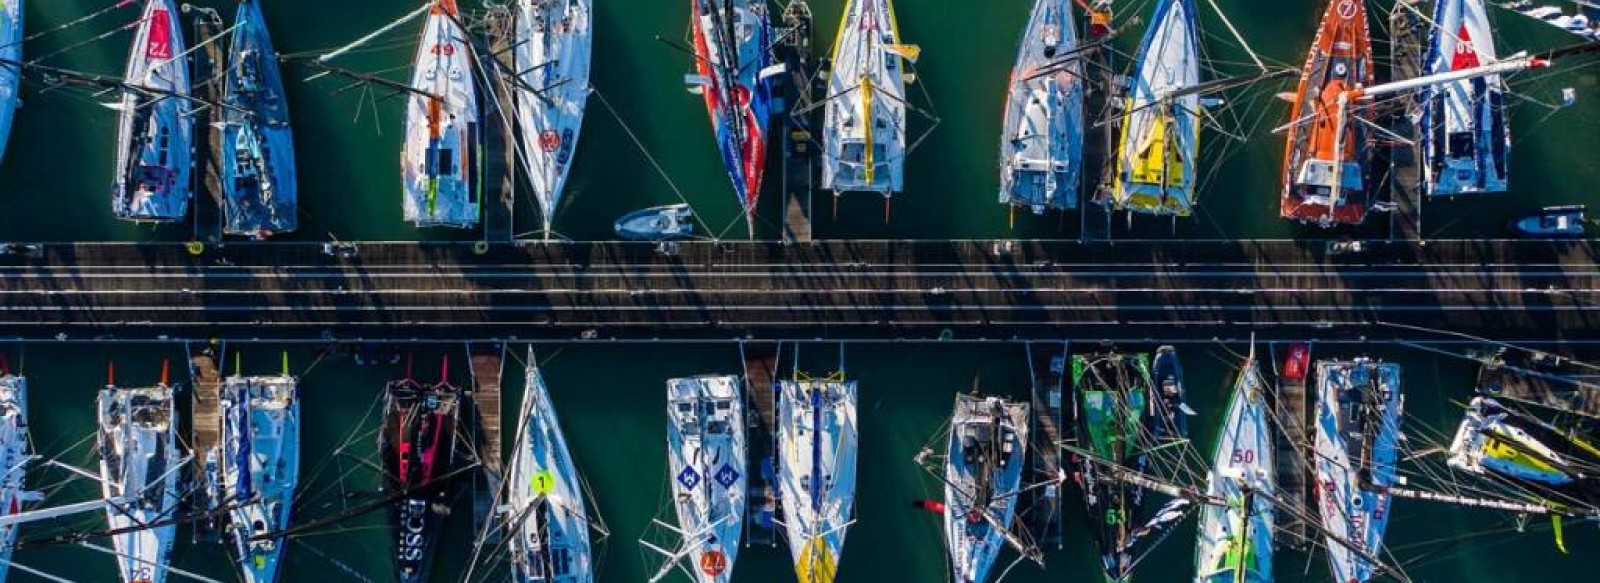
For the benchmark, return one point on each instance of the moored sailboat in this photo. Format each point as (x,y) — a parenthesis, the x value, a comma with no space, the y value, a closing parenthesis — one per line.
(817,444)
(548,532)
(259,467)
(982,481)
(1160,142)
(139,467)
(1235,534)
(1041,147)
(1464,134)
(442,157)
(1114,424)
(706,453)
(257,158)
(1357,444)
(1555,466)
(10,77)
(14,457)
(864,127)
(1325,178)
(155,132)
(733,59)
(551,54)
(418,445)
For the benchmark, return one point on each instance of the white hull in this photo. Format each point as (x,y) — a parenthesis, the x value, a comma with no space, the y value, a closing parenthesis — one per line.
(260,468)
(817,444)
(139,460)
(1464,135)
(442,153)
(155,134)
(706,455)
(551,55)
(983,480)
(1042,147)
(864,130)
(548,537)
(1161,134)
(1237,538)
(14,448)
(1355,515)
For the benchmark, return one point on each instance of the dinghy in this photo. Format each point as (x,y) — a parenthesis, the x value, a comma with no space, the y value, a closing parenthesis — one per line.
(733,60)
(1157,153)
(1556,222)
(1325,163)
(155,133)
(260,468)
(1357,444)
(10,77)
(1235,532)
(442,158)
(257,157)
(659,223)
(983,481)
(817,443)
(418,445)
(864,125)
(706,454)
(14,457)
(139,460)
(1463,133)
(551,56)
(548,534)
(1041,148)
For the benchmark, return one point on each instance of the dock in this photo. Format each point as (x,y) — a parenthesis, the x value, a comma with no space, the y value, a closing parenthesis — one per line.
(209,63)
(1409,32)
(487,362)
(1543,380)
(205,434)
(1104,96)
(798,93)
(1048,363)
(760,360)
(499,188)
(1292,407)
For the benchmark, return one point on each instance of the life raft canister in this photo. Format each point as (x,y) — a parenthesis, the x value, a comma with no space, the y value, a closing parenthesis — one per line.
(549,140)
(713,562)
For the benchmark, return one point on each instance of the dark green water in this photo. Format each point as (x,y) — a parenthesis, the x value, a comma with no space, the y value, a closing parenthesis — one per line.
(55,177)
(611,403)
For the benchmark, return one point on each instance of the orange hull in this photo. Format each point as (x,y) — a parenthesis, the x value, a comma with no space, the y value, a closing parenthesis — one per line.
(1340,60)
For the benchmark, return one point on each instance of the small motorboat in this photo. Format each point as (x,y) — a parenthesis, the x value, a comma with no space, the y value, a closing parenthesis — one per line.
(1555,222)
(657,223)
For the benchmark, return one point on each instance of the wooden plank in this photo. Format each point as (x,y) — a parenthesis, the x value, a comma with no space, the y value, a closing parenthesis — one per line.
(1405,170)
(1292,409)
(205,428)
(799,93)
(760,361)
(1049,361)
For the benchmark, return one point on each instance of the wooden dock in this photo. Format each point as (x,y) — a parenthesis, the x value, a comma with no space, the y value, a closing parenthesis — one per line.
(1405,171)
(1292,408)
(205,433)
(487,366)
(760,365)
(1103,101)
(209,64)
(798,93)
(1543,380)
(499,171)
(1048,362)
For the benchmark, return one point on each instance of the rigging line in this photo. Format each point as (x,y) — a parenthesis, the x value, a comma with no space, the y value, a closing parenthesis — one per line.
(66,25)
(1481,339)
(649,158)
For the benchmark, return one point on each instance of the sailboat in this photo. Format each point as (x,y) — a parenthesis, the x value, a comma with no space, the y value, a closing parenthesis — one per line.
(259,467)
(1041,148)
(706,453)
(817,444)
(442,156)
(140,461)
(11,30)
(155,133)
(733,60)
(864,124)
(257,158)
(1235,536)
(1357,443)
(551,55)
(1324,171)
(1555,466)
(14,457)
(549,521)
(1160,143)
(1464,134)
(418,445)
(983,480)
(1113,414)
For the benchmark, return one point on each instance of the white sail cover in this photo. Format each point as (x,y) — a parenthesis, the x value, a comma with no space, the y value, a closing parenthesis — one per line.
(1041,150)
(1235,539)
(156,128)
(864,127)
(1357,444)
(706,454)
(10,77)
(139,460)
(442,157)
(14,450)
(1160,133)
(983,481)
(260,461)
(551,55)
(1463,132)
(548,536)
(817,444)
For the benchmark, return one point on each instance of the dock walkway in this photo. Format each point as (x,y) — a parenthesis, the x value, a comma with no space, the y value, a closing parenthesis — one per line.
(1292,409)
(760,361)
(487,367)
(1048,363)
(1405,172)
(205,434)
